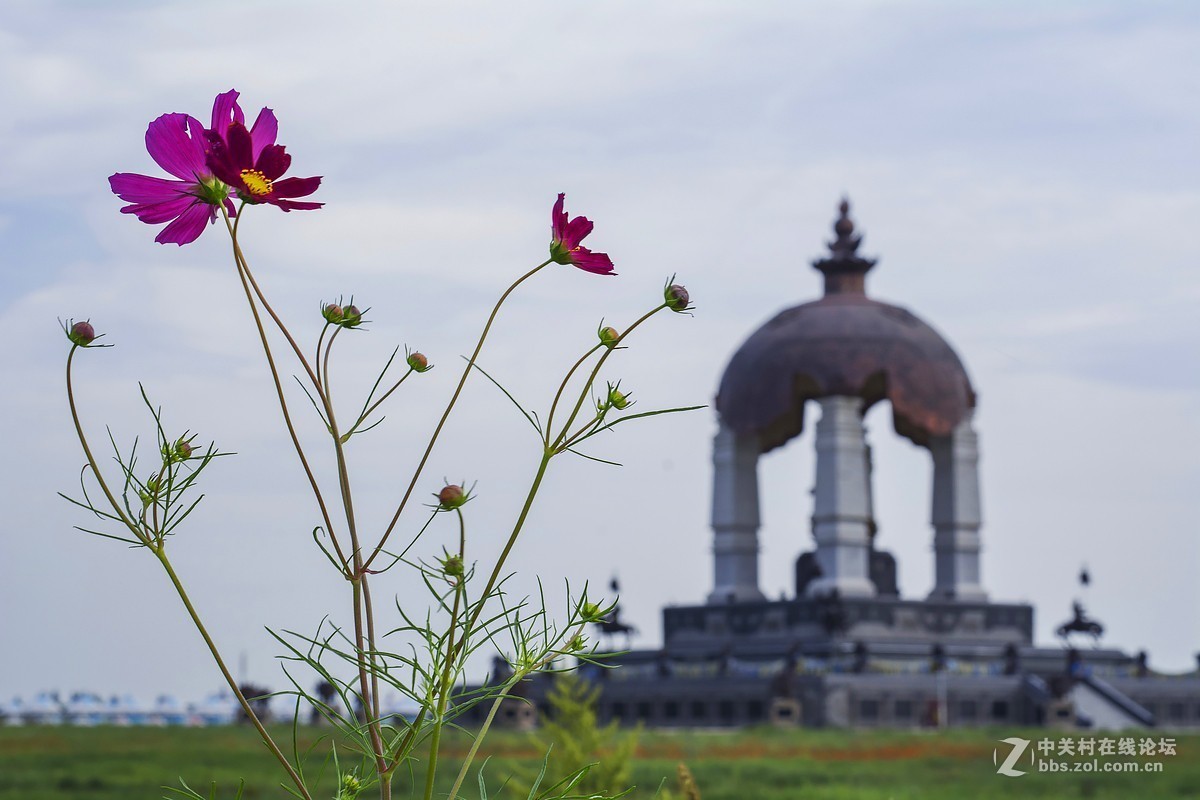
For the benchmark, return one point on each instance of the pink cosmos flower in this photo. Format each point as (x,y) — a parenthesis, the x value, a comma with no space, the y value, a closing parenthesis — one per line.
(184,148)
(176,143)
(250,162)
(565,239)
(226,111)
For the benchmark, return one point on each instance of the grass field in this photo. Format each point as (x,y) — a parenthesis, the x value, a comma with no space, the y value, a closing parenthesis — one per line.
(132,763)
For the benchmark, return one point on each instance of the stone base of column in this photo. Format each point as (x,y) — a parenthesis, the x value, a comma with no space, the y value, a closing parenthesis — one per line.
(725,595)
(845,586)
(964,594)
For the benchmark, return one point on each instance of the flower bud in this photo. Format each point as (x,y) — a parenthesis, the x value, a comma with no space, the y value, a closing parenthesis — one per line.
(608,337)
(576,644)
(589,612)
(418,362)
(332,313)
(179,450)
(153,487)
(351,786)
(451,497)
(676,297)
(81,333)
(351,317)
(453,566)
(617,399)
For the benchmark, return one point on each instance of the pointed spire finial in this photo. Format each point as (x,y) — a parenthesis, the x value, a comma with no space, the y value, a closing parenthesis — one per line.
(846,243)
(844,269)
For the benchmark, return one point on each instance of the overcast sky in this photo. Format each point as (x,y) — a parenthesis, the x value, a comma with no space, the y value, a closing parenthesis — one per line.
(1027,176)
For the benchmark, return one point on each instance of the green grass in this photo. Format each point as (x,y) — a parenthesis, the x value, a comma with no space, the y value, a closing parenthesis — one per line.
(763,764)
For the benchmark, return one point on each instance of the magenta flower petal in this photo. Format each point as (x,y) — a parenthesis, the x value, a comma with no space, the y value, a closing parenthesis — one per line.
(226,111)
(241,146)
(565,236)
(296,187)
(586,260)
(558,219)
(220,161)
(576,231)
(273,162)
(165,211)
(293,205)
(189,225)
(172,148)
(257,179)
(142,188)
(263,134)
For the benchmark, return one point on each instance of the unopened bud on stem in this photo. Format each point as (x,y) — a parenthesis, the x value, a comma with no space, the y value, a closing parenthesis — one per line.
(676,297)
(418,362)
(453,566)
(589,612)
(451,497)
(332,313)
(83,333)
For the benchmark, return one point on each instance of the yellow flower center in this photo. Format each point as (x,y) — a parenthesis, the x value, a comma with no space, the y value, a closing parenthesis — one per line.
(256,182)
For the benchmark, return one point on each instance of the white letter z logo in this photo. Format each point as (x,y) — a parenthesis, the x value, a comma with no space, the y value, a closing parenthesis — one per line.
(1018,749)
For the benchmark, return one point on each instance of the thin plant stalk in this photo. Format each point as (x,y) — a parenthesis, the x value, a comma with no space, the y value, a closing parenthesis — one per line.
(287,417)
(596,371)
(487,722)
(450,407)
(343,481)
(443,689)
(87,451)
(159,550)
(241,698)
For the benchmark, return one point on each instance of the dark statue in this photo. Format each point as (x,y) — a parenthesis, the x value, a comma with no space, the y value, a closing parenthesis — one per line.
(1079,623)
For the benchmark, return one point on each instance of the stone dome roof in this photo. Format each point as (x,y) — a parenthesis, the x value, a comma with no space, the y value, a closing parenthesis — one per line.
(844,344)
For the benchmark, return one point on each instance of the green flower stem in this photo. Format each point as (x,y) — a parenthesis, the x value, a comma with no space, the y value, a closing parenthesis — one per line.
(364,624)
(343,477)
(596,371)
(443,696)
(158,534)
(508,546)
(449,407)
(325,375)
(587,388)
(487,724)
(287,417)
(491,584)
(367,411)
(586,430)
(317,359)
(363,683)
(517,677)
(562,387)
(369,611)
(87,451)
(262,299)
(160,552)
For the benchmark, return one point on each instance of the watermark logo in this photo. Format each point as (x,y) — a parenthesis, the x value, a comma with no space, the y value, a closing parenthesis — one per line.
(1082,754)
(1018,747)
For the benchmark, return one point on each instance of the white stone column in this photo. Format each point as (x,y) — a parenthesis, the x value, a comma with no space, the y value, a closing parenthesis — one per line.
(956,515)
(735,518)
(841,502)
